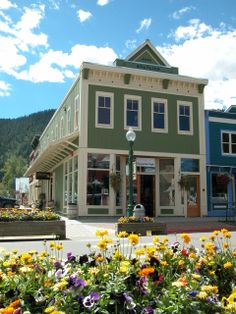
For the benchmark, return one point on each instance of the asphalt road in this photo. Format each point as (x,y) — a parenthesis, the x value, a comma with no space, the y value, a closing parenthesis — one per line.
(80,234)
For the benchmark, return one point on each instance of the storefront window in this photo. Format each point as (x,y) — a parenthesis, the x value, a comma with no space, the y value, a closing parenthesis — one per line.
(167,187)
(189,165)
(98,179)
(219,188)
(118,193)
(71,181)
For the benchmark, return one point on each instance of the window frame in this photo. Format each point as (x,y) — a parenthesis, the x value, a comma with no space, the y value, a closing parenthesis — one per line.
(230,133)
(190,105)
(139,99)
(68,122)
(102,125)
(76,112)
(160,101)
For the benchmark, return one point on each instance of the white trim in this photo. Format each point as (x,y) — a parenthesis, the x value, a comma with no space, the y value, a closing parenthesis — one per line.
(230,154)
(111,96)
(68,121)
(222,120)
(139,99)
(76,112)
(190,105)
(165,102)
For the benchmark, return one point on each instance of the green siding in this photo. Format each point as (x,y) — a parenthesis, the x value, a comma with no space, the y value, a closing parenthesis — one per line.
(145,139)
(59,187)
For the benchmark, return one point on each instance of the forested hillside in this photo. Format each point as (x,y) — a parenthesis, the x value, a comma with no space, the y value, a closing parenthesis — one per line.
(16,136)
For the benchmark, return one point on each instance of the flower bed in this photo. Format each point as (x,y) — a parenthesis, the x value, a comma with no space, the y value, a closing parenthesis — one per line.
(140,225)
(20,223)
(159,278)
(13,214)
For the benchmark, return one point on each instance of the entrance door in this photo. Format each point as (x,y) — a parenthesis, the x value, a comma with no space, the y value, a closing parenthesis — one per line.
(147,194)
(193,197)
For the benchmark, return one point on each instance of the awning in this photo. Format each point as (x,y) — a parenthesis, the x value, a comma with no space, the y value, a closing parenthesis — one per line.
(53,154)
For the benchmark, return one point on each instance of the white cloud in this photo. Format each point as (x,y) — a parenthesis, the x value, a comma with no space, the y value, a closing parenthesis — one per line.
(6,4)
(83,15)
(18,38)
(144,24)
(178,14)
(202,51)
(5,89)
(103,2)
(131,44)
(54,65)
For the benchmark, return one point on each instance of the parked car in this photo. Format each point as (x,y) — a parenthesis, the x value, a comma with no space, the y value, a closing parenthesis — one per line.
(7,202)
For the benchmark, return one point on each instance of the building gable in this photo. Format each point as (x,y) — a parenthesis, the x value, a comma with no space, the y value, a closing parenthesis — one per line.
(146,57)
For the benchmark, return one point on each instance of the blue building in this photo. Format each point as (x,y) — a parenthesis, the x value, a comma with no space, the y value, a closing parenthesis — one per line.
(221,160)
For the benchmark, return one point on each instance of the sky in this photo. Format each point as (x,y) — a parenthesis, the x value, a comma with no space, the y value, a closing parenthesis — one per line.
(44,42)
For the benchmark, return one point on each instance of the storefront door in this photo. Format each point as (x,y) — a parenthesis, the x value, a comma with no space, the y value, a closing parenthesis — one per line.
(146,193)
(193,197)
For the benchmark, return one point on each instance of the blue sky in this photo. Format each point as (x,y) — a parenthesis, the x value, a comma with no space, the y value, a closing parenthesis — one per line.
(44,42)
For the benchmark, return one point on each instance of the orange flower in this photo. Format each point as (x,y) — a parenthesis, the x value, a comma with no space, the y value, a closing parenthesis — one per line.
(7,310)
(186,238)
(146,271)
(15,303)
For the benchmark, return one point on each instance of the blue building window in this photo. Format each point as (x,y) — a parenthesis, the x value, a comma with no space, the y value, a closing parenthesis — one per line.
(229,143)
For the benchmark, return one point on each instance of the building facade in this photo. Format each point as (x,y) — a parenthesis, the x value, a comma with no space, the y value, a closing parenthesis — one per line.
(83,150)
(221,160)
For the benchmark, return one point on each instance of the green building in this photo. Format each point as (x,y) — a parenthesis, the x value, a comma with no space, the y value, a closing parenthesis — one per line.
(83,152)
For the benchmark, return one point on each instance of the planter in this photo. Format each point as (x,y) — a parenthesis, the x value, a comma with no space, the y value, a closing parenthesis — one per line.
(33,228)
(72,211)
(143,228)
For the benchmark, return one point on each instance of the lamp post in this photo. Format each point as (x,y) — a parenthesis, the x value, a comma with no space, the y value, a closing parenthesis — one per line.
(130,136)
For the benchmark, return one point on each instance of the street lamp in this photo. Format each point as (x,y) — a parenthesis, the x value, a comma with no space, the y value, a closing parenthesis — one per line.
(130,136)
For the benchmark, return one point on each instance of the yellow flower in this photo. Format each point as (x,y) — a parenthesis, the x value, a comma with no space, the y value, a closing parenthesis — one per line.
(93,270)
(164,263)
(227,235)
(212,237)
(155,240)
(228,265)
(203,239)
(150,251)
(122,234)
(101,233)
(210,247)
(49,309)
(59,246)
(196,276)
(124,267)
(26,258)
(202,295)
(226,245)
(102,245)
(133,239)
(186,238)
(139,252)
(209,288)
(216,232)
(59,286)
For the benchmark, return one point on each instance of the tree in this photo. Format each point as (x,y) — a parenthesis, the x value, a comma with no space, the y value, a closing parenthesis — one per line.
(14,167)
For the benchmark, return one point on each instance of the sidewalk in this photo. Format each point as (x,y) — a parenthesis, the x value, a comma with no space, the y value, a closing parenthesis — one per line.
(86,227)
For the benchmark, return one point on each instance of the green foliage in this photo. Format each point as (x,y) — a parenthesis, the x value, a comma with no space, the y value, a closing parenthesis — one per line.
(15,146)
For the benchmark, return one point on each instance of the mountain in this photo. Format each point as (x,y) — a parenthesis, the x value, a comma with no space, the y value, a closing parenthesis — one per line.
(16,134)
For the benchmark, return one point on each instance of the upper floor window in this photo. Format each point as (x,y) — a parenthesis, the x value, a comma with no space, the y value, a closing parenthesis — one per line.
(228,140)
(159,115)
(133,112)
(76,112)
(68,121)
(62,127)
(104,110)
(185,117)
